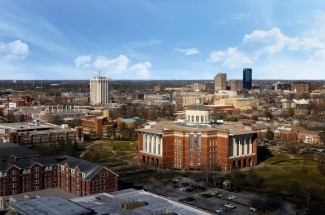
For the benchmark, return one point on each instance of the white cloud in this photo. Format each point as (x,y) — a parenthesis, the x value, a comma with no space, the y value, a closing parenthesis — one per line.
(82,61)
(319,55)
(114,65)
(231,58)
(14,50)
(191,51)
(141,69)
(262,43)
(145,43)
(109,66)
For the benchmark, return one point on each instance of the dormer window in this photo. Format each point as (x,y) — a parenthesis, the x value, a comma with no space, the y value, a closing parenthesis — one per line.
(72,171)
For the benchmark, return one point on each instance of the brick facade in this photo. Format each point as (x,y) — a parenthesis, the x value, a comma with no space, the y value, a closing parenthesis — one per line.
(51,172)
(191,148)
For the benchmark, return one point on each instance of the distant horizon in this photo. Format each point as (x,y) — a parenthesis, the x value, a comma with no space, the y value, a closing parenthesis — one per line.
(302,80)
(162,40)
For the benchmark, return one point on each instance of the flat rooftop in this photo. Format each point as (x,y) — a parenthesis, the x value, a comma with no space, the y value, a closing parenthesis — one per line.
(43,193)
(54,205)
(110,203)
(231,127)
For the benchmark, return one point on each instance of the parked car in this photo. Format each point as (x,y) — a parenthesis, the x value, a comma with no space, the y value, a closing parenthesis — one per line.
(184,184)
(253,209)
(206,195)
(220,210)
(215,193)
(175,181)
(183,189)
(189,189)
(229,205)
(232,197)
(201,188)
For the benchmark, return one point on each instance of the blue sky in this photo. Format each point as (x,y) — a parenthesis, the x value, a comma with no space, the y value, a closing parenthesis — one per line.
(161,39)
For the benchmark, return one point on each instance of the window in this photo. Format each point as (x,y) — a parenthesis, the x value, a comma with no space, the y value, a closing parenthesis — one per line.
(13,178)
(36,181)
(36,169)
(13,192)
(36,187)
(72,171)
(103,181)
(13,185)
(36,175)
(13,172)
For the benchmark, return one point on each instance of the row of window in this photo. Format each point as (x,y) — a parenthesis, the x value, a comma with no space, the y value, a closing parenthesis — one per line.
(98,182)
(212,142)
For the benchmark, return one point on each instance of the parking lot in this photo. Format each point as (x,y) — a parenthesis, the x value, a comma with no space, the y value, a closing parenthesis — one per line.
(210,199)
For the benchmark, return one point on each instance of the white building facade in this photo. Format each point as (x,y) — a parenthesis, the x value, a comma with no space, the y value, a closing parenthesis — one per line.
(99,92)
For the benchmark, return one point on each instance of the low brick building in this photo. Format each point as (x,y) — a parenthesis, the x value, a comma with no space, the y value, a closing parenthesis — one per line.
(38,133)
(96,125)
(71,174)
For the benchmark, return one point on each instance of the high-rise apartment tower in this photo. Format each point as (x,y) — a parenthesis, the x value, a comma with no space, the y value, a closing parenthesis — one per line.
(247,78)
(99,93)
(220,82)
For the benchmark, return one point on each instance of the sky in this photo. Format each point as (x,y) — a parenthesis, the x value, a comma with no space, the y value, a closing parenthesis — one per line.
(161,39)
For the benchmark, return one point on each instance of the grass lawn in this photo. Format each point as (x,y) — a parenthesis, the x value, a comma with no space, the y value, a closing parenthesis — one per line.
(112,152)
(280,177)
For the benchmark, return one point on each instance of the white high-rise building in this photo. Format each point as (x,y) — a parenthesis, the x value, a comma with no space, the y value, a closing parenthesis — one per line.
(99,92)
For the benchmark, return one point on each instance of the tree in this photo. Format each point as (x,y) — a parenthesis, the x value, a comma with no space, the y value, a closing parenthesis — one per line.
(269,134)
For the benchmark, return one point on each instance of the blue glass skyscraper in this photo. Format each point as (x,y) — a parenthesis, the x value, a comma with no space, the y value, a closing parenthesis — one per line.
(247,78)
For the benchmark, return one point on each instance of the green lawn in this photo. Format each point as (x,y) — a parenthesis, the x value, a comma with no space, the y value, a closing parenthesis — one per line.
(280,177)
(112,152)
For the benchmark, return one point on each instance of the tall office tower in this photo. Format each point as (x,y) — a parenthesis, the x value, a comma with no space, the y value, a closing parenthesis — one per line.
(220,82)
(301,87)
(99,92)
(247,78)
(235,85)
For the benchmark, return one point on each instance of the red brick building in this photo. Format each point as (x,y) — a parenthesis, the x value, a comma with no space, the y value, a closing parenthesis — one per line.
(71,174)
(196,143)
(96,125)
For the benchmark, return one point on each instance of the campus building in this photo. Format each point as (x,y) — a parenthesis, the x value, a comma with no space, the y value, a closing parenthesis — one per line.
(197,143)
(38,133)
(99,92)
(71,174)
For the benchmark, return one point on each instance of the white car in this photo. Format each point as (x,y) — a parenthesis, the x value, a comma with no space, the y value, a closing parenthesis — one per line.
(232,197)
(228,205)
(220,210)
(183,189)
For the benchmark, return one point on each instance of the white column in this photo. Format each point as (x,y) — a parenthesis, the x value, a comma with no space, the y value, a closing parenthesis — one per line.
(234,147)
(161,152)
(144,142)
(240,147)
(246,146)
(251,146)
(148,142)
(156,142)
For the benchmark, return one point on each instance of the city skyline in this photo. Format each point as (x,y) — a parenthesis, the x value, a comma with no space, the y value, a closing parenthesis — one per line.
(161,40)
